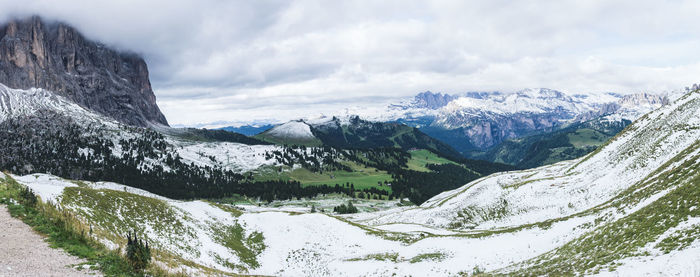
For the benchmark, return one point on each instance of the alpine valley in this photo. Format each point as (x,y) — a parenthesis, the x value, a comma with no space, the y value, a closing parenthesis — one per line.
(535,182)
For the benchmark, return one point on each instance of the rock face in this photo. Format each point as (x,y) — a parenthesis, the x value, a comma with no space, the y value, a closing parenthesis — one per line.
(432,100)
(56,57)
(477,121)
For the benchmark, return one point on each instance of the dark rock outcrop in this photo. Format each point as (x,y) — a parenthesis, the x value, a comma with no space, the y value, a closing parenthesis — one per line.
(56,57)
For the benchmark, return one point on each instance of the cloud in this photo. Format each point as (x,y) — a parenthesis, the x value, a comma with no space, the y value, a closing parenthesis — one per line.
(213,60)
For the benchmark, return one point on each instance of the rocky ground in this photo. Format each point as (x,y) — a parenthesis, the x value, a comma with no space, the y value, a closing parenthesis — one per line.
(23,252)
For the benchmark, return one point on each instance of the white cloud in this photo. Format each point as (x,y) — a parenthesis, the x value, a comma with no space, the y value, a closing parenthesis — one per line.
(235,60)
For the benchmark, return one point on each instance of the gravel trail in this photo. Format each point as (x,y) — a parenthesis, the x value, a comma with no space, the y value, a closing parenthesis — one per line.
(23,252)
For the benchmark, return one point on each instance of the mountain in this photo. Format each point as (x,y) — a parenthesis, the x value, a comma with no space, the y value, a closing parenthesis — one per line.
(352,132)
(89,114)
(54,56)
(248,130)
(292,132)
(630,208)
(525,128)
(432,100)
(42,132)
(477,121)
(566,143)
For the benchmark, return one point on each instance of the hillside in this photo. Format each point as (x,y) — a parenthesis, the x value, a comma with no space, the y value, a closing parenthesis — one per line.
(488,125)
(630,208)
(567,143)
(293,132)
(41,132)
(351,132)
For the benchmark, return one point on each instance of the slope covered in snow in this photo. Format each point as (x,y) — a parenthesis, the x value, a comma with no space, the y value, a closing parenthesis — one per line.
(629,208)
(572,186)
(17,104)
(292,132)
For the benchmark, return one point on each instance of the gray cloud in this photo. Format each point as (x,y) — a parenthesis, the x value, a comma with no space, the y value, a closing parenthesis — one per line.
(215,60)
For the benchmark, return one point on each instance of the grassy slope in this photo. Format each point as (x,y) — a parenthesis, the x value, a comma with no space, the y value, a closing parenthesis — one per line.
(62,230)
(543,149)
(110,214)
(419,159)
(631,235)
(362,177)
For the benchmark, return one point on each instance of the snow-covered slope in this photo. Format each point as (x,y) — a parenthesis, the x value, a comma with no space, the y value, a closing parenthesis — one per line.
(631,208)
(292,130)
(18,103)
(568,187)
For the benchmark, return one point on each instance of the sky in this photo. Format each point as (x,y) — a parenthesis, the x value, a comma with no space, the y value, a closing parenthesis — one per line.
(234,62)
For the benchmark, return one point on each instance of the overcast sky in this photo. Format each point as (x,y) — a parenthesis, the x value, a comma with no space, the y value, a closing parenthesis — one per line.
(241,61)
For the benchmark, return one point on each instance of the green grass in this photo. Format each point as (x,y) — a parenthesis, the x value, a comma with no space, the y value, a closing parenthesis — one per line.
(361,177)
(419,159)
(586,137)
(227,208)
(118,212)
(437,256)
(246,248)
(394,257)
(63,230)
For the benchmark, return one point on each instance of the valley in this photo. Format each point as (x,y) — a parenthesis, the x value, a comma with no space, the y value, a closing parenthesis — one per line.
(543,218)
(529,182)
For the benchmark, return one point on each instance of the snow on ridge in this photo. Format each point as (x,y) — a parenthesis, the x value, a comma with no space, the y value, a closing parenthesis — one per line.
(567,187)
(21,102)
(292,130)
(234,156)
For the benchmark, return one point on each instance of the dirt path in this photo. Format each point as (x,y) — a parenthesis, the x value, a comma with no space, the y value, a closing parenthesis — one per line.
(23,252)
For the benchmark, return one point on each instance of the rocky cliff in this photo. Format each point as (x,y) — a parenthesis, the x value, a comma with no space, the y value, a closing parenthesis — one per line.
(432,100)
(56,57)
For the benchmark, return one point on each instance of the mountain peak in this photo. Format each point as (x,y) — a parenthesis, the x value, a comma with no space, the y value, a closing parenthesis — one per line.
(432,100)
(55,56)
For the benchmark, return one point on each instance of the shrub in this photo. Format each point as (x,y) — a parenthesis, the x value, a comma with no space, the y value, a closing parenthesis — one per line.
(138,253)
(27,197)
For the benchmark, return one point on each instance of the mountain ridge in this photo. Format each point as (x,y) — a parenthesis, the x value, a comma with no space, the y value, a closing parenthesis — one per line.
(55,56)
(629,208)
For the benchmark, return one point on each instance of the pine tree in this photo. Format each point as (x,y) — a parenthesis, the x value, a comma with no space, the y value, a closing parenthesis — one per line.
(138,253)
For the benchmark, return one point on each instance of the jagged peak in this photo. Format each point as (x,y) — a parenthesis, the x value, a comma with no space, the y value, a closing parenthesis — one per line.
(55,56)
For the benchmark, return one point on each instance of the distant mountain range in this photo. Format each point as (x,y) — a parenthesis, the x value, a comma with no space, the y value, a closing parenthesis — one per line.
(351,132)
(477,121)
(480,124)
(95,153)
(248,130)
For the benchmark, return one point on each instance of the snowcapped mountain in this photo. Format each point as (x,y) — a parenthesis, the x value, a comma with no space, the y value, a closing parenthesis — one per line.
(669,134)
(477,121)
(292,132)
(628,209)
(352,132)
(27,108)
